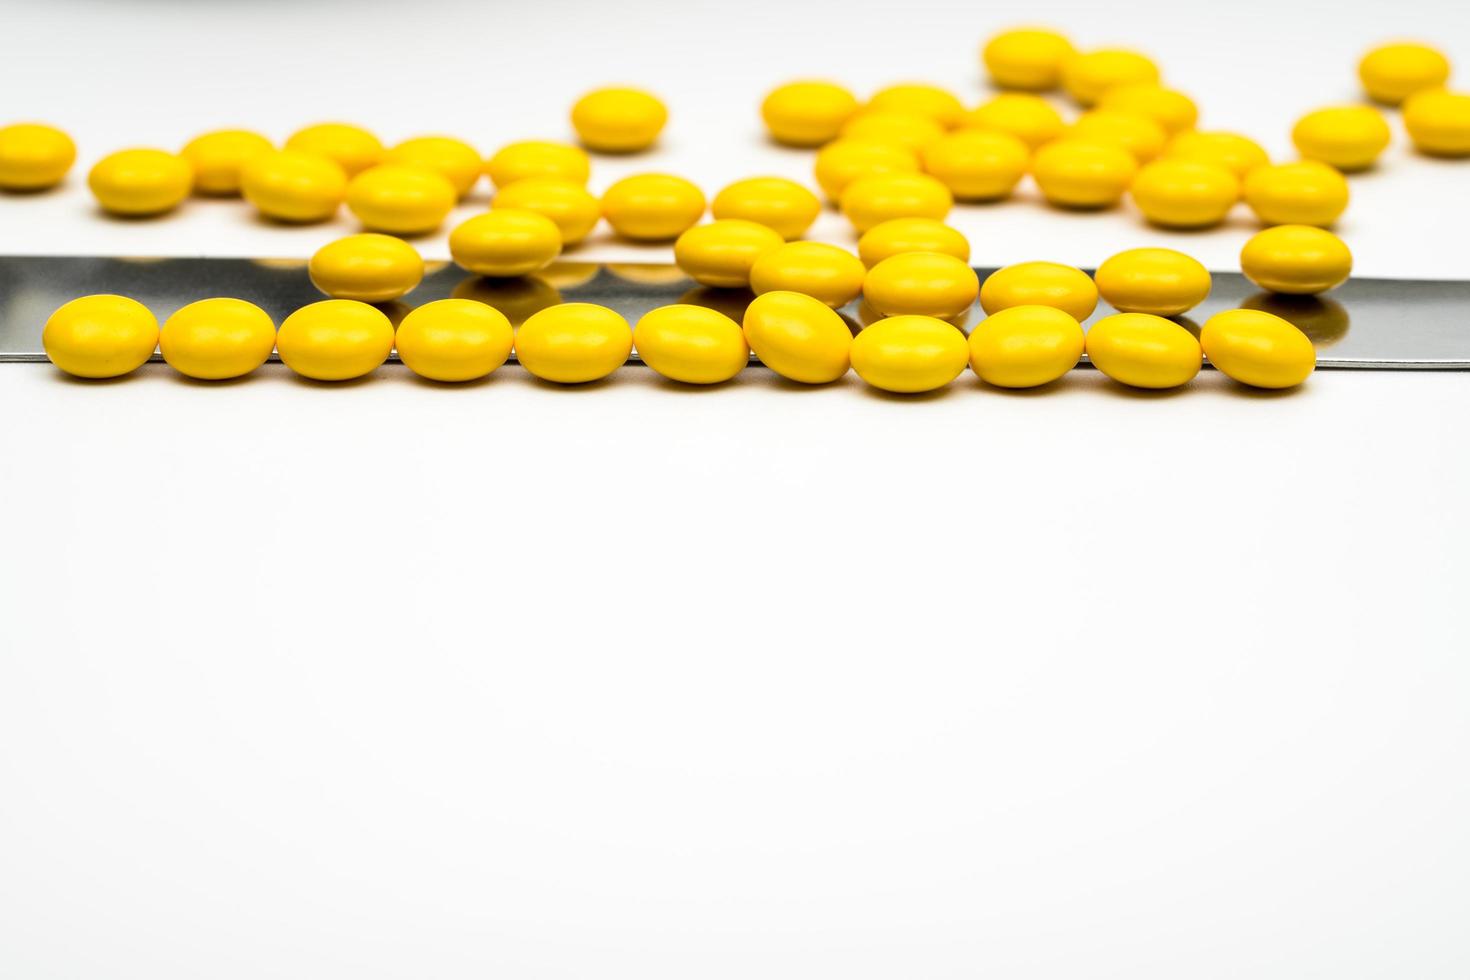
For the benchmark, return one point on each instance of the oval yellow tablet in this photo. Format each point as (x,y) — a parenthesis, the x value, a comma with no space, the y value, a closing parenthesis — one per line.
(909,354)
(901,235)
(352,148)
(367,267)
(652,207)
(102,336)
(218,157)
(618,120)
(919,99)
(137,183)
(505,242)
(1238,154)
(1027,58)
(34,156)
(1040,284)
(1302,193)
(798,337)
(1143,350)
(977,165)
(1439,122)
(1258,349)
(692,344)
(921,284)
(454,160)
(909,130)
(777,203)
(1160,281)
(1025,346)
(1174,111)
(870,201)
(1391,73)
(292,186)
(1350,138)
(215,339)
(401,200)
(569,205)
(807,113)
(335,340)
(1296,259)
(1185,193)
(574,343)
(1080,174)
(843,161)
(824,272)
(1088,76)
(721,253)
(1029,118)
(1139,135)
(454,340)
(538,158)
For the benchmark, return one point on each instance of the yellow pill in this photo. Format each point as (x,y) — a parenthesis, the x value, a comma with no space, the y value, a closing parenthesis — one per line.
(906,129)
(618,120)
(1296,259)
(652,207)
(136,183)
(292,186)
(1185,194)
(1143,350)
(1393,72)
(909,354)
(976,165)
(454,160)
(101,336)
(568,203)
(841,162)
(538,158)
(400,200)
(1029,118)
(692,344)
(1040,284)
(335,340)
(1349,138)
(1025,346)
(1160,281)
(918,99)
(368,267)
(1028,58)
(921,284)
(1087,76)
(778,203)
(352,148)
(1077,174)
(574,343)
(1258,349)
(1139,135)
(214,339)
(1302,193)
(722,253)
(454,340)
(505,242)
(798,337)
(218,157)
(870,201)
(1238,154)
(902,235)
(824,272)
(34,156)
(1174,111)
(1439,122)
(807,113)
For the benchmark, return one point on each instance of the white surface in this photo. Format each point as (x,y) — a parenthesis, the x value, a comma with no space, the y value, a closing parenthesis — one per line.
(395,680)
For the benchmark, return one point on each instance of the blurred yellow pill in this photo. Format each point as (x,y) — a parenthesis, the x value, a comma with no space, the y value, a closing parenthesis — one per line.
(797,336)
(454,160)
(841,162)
(1391,73)
(214,339)
(652,207)
(807,113)
(218,157)
(292,186)
(827,273)
(1439,122)
(1160,281)
(977,165)
(1184,193)
(102,336)
(1302,193)
(1174,111)
(722,253)
(1025,346)
(872,200)
(1083,174)
(400,200)
(1258,349)
(537,158)
(909,354)
(454,340)
(1089,75)
(352,148)
(1143,350)
(901,235)
(1137,134)
(505,242)
(919,99)
(34,156)
(906,129)
(136,183)
(570,206)
(574,343)
(1029,118)
(923,284)
(692,344)
(777,203)
(1296,259)
(1028,58)
(335,340)
(1238,154)
(1349,138)
(618,120)
(367,267)
(1040,284)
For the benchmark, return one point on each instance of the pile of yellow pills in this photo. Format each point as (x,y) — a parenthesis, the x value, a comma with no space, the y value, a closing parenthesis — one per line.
(218,157)
(335,340)
(919,99)
(1083,174)
(909,354)
(911,235)
(352,148)
(568,203)
(1160,281)
(909,130)
(722,252)
(368,267)
(1029,59)
(619,120)
(923,284)
(1238,154)
(1296,259)
(537,158)
(872,200)
(138,183)
(454,160)
(454,340)
(652,207)
(1391,73)
(1301,193)
(807,113)
(1029,118)
(1185,193)
(1143,351)
(1040,284)
(216,339)
(1349,138)
(1258,349)
(778,203)
(1174,111)
(827,273)
(1137,134)
(505,242)
(1025,346)
(843,161)
(1439,122)
(977,165)
(798,337)
(1088,76)
(692,344)
(34,156)
(102,336)
(400,200)
(292,186)
(574,343)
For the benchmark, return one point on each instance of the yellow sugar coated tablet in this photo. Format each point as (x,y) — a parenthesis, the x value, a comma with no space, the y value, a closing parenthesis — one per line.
(34,156)
(352,148)
(1025,346)
(906,129)
(400,200)
(453,159)
(919,99)
(1185,193)
(1238,154)
(1390,73)
(692,344)
(1439,122)
(218,157)
(1143,351)
(568,203)
(722,252)
(798,337)
(1302,193)
(778,203)
(1029,58)
(618,120)
(1088,76)
(909,354)
(335,340)
(293,187)
(216,339)
(102,336)
(370,268)
(1137,134)
(1296,259)
(1174,111)
(1160,281)
(1258,349)
(652,207)
(574,343)
(807,113)
(1350,137)
(827,273)
(1083,174)
(923,284)
(1040,284)
(977,165)
(538,158)
(901,235)
(454,340)
(872,200)
(1029,118)
(140,183)
(505,242)
(841,162)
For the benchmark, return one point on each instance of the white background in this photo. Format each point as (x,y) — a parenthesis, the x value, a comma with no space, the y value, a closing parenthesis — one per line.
(397,680)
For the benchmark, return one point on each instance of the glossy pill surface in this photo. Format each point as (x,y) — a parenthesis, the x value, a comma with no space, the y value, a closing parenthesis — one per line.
(1040,284)
(1143,351)
(722,253)
(368,267)
(870,201)
(215,339)
(453,159)
(352,148)
(652,207)
(1296,259)
(824,272)
(454,340)
(1185,193)
(1029,59)
(1025,346)
(843,161)
(137,183)
(920,99)
(1439,122)
(977,165)
(798,337)
(1391,73)
(1302,193)
(1029,118)
(906,129)
(899,235)
(293,187)
(922,284)
(909,354)
(34,156)
(1350,138)
(1082,174)
(568,203)
(1139,135)
(538,158)
(807,113)
(218,157)
(1160,281)
(102,336)
(335,340)
(1258,349)
(692,344)
(1238,154)
(400,200)
(574,343)
(505,242)
(1174,111)
(618,120)
(778,203)
(1088,76)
